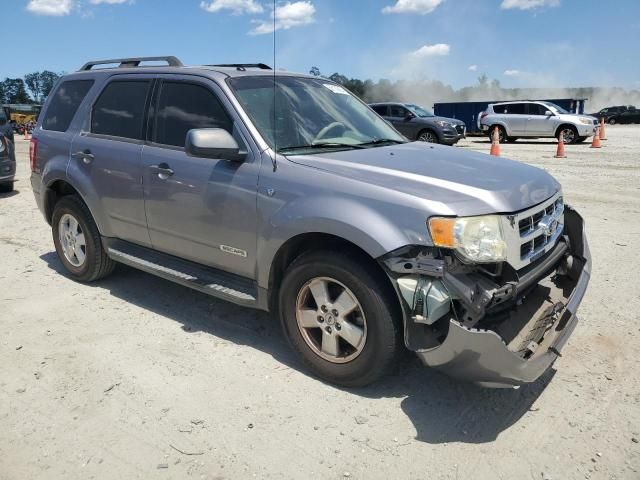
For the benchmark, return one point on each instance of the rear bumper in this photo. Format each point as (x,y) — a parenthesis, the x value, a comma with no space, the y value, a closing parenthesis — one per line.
(481,356)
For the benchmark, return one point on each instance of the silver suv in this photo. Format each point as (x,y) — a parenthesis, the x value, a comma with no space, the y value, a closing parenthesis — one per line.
(535,119)
(285,193)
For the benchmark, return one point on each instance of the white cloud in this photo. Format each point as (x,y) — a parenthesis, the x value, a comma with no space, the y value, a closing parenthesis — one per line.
(473,68)
(287,15)
(528,4)
(110,2)
(512,73)
(55,8)
(236,6)
(421,7)
(437,50)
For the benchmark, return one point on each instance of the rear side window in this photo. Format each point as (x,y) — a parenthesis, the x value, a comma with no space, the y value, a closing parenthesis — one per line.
(510,108)
(184,106)
(380,110)
(119,112)
(64,104)
(397,111)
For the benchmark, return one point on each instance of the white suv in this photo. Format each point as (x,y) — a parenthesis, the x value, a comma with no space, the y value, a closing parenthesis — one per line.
(535,119)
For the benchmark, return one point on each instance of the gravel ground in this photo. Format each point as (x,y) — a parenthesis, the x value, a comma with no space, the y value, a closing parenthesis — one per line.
(135,377)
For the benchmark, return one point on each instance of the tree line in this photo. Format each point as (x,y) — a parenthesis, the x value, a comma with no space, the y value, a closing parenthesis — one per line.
(32,89)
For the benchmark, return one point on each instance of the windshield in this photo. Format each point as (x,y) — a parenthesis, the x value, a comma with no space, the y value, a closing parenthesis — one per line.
(419,111)
(555,107)
(309,114)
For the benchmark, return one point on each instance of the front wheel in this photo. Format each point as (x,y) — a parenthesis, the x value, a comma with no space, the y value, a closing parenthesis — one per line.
(6,187)
(569,134)
(340,318)
(612,121)
(428,136)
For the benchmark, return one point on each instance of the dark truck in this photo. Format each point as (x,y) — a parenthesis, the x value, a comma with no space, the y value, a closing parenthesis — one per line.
(284,192)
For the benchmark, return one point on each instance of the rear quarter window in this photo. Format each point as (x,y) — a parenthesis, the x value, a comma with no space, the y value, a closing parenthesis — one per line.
(64,104)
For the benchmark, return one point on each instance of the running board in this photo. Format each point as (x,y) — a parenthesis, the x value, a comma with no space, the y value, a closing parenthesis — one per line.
(211,281)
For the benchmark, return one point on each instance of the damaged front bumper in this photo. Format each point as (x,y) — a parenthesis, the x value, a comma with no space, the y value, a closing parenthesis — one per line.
(520,326)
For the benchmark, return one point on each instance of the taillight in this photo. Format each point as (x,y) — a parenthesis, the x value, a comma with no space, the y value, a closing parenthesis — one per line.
(33,153)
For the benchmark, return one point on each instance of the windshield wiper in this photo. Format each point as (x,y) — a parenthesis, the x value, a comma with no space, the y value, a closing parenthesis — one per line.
(313,146)
(380,141)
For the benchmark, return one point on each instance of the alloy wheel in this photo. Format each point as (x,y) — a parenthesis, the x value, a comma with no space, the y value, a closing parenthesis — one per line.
(331,320)
(72,240)
(428,137)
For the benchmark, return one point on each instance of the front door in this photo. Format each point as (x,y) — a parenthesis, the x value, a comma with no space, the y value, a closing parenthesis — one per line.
(109,151)
(200,209)
(539,124)
(399,118)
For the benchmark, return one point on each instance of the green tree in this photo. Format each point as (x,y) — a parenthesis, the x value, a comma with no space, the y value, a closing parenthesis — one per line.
(48,79)
(315,71)
(15,91)
(33,81)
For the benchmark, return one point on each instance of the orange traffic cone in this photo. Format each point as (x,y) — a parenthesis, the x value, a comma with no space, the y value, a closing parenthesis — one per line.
(603,135)
(495,143)
(596,139)
(560,152)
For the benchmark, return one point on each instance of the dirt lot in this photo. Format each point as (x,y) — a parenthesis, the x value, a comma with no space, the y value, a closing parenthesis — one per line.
(135,377)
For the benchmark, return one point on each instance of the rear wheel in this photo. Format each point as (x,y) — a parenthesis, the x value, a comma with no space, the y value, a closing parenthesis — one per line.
(512,139)
(6,187)
(339,318)
(612,121)
(77,241)
(428,136)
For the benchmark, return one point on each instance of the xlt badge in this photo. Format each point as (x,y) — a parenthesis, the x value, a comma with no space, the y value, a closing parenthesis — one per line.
(233,251)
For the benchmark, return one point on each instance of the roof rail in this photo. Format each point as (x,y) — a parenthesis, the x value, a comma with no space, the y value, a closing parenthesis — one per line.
(131,62)
(243,66)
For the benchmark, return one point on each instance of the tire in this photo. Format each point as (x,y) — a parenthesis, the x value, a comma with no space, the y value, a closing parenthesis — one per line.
(428,136)
(580,139)
(612,121)
(570,134)
(376,317)
(90,261)
(6,187)
(512,139)
(502,133)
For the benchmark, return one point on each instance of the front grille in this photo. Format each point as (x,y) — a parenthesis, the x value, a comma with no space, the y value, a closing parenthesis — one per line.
(533,232)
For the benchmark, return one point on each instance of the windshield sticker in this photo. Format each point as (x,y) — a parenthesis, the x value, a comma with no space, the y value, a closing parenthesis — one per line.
(336,88)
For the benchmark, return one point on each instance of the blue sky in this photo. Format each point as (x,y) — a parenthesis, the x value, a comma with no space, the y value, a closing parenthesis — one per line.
(519,42)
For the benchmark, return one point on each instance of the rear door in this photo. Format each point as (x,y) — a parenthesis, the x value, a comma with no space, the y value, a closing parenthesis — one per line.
(515,118)
(108,150)
(204,210)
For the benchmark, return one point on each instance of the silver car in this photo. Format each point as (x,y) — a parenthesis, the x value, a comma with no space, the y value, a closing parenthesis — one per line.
(535,119)
(285,193)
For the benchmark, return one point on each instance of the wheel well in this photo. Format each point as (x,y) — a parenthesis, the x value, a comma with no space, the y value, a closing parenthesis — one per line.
(565,125)
(427,129)
(54,193)
(308,242)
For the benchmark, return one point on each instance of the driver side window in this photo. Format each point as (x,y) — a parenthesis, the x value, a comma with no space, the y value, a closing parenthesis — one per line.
(397,111)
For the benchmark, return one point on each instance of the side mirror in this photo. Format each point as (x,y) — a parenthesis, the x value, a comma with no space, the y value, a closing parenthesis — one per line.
(215,143)
(409,116)
(549,113)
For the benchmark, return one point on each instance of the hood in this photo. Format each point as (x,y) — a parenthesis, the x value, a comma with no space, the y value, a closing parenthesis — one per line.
(453,121)
(462,182)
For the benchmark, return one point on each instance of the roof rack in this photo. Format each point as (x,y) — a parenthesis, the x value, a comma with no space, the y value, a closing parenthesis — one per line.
(132,62)
(243,66)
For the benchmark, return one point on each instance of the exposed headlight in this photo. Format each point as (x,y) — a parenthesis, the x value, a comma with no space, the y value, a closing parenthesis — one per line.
(442,123)
(477,239)
(585,121)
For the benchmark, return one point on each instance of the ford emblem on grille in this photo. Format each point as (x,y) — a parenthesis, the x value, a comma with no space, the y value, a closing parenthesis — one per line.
(548,225)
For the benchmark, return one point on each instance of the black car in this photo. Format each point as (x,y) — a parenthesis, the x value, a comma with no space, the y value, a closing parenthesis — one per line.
(7,154)
(610,113)
(418,123)
(631,115)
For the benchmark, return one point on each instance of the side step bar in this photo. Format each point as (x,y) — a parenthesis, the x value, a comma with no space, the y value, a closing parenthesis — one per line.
(211,281)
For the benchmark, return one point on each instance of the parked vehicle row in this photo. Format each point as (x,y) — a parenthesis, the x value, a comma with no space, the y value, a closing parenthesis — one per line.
(611,114)
(535,119)
(315,208)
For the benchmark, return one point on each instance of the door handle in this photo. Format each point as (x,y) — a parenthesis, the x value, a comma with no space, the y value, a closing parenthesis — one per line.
(85,155)
(163,171)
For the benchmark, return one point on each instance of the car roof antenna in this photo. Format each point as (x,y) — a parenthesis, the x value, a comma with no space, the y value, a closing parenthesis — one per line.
(274,159)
